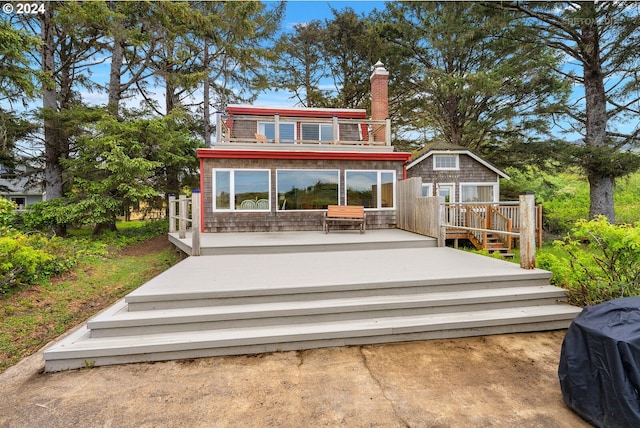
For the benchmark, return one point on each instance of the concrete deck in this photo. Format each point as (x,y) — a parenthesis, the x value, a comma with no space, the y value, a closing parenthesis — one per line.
(305,241)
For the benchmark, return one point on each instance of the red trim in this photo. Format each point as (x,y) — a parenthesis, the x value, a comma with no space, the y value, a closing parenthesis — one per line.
(300,155)
(292,112)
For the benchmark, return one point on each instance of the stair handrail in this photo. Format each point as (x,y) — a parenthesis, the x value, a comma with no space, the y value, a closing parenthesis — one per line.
(502,223)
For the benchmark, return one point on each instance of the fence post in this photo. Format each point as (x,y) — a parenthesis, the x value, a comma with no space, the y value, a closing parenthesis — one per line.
(195,223)
(172,213)
(442,228)
(527,230)
(182,216)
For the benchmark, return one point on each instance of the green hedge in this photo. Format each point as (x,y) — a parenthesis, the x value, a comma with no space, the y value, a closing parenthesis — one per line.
(596,262)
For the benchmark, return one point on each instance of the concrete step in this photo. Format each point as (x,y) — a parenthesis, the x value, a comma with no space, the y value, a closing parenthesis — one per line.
(80,350)
(118,321)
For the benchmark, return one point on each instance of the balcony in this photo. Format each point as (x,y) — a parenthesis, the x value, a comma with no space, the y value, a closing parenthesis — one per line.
(332,133)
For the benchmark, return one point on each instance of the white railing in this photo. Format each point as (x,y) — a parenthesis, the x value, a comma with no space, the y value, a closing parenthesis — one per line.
(188,213)
(374,128)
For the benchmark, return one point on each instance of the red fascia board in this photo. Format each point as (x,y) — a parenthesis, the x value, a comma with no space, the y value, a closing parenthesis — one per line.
(300,155)
(269,111)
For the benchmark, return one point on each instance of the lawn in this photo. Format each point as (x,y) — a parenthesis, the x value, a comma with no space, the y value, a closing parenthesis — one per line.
(32,317)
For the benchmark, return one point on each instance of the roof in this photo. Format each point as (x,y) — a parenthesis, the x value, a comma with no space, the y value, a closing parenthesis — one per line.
(344,113)
(443,148)
(301,155)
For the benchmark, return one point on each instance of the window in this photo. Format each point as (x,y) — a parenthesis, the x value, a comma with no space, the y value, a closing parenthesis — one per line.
(478,192)
(371,189)
(317,131)
(427,189)
(241,189)
(287,131)
(19,201)
(445,162)
(307,189)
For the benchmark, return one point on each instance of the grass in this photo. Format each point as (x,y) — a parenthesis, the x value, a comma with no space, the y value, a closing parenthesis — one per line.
(32,317)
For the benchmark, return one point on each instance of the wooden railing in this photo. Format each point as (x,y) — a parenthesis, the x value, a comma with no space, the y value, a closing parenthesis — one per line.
(471,221)
(498,217)
(381,128)
(188,213)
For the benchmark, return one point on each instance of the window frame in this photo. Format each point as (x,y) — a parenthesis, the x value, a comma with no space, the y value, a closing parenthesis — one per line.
(232,190)
(272,140)
(427,186)
(441,156)
(277,193)
(452,193)
(496,190)
(379,173)
(319,125)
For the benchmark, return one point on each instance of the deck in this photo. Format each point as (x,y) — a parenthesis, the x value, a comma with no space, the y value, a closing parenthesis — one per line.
(310,241)
(257,299)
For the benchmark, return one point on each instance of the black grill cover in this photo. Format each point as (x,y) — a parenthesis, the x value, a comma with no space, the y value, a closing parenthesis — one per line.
(599,367)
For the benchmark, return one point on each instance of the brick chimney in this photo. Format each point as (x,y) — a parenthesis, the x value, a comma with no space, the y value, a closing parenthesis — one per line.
(379,98)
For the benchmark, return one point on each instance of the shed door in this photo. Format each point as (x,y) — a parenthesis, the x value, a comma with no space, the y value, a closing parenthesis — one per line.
(447,191)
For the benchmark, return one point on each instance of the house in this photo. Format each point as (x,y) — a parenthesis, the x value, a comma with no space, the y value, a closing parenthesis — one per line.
(456,173)
(277,169)
(17,188)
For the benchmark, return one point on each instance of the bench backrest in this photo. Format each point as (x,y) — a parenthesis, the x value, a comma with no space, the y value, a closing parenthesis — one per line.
(347,211)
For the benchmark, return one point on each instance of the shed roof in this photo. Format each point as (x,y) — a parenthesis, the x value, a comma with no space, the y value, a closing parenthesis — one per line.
(444,148)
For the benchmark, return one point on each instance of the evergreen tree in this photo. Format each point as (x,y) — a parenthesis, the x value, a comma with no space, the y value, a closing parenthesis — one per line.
(459,75)
(602,42)
(301,66)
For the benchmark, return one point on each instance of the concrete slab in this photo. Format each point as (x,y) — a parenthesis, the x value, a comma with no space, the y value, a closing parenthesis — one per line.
(500,381)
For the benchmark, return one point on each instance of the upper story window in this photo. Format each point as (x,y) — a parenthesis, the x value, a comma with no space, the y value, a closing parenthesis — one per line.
(317,131)
(287,131)
(445,162)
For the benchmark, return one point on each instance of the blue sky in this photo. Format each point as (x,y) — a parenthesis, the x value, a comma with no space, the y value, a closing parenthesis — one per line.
(301,11)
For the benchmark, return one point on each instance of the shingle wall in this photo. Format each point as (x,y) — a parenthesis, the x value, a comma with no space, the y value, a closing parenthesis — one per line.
(287,220)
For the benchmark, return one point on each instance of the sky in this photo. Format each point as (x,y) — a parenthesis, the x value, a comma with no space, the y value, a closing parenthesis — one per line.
(301,11)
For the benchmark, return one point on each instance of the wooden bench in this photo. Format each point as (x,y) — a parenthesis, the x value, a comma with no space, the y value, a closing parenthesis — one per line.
(344,214)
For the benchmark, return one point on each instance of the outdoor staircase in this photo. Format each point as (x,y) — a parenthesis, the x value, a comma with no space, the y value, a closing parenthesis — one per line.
(495,245)
(239,304)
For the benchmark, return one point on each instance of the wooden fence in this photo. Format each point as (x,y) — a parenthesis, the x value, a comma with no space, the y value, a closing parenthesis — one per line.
(418,214)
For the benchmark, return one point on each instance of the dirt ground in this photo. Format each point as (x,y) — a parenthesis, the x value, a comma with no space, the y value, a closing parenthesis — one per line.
(494,381)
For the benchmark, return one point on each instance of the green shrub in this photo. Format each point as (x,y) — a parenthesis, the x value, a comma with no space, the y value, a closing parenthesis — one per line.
(7,212)
(603,262)
(32,258)
(20,262)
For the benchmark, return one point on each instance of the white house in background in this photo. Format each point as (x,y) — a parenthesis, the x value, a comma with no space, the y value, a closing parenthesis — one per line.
(15,187)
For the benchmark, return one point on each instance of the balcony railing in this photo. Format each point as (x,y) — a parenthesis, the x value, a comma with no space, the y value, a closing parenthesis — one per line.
(369,132)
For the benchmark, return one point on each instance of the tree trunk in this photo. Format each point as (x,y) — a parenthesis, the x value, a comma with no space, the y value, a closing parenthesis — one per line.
(207,100)
(52,168)
(117,56)
(100,228)
(601,186)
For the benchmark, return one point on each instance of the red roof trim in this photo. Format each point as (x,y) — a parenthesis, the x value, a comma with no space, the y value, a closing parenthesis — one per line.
(299,155)
(297,112)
